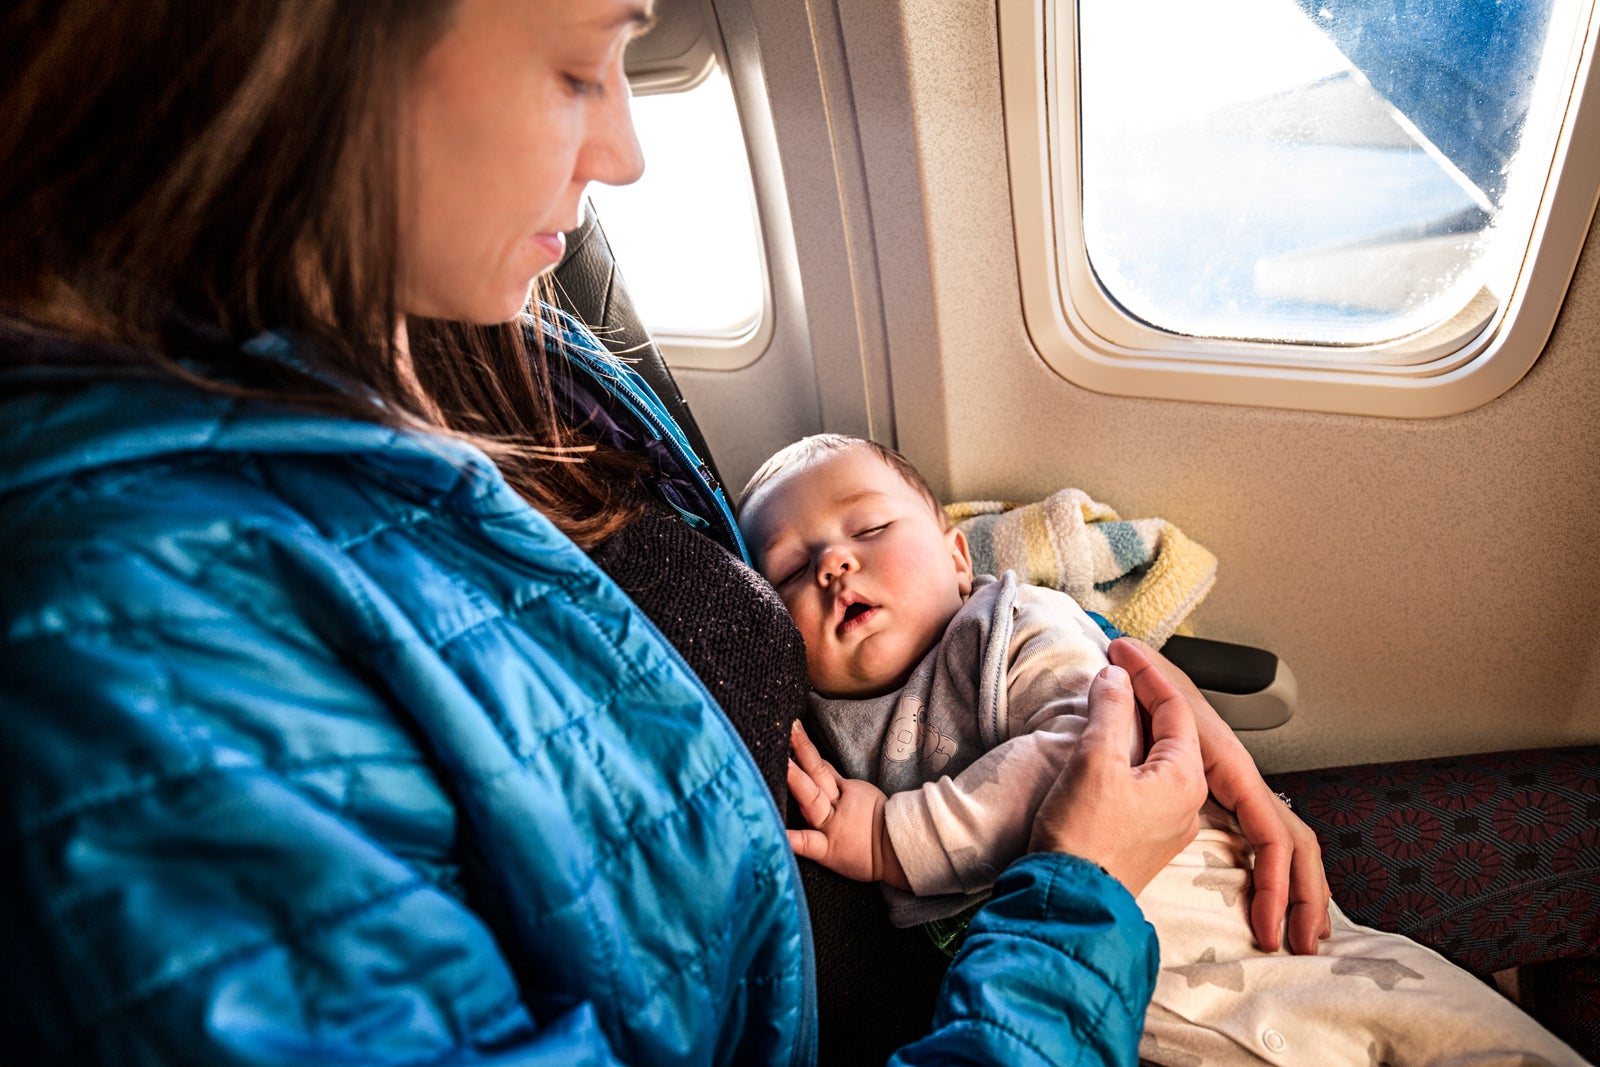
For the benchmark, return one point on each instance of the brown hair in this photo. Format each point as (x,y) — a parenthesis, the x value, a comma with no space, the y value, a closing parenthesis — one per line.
(810,448)
(235,165)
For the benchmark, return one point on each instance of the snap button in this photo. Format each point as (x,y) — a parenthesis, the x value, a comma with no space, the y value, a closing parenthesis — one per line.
(1274,1041)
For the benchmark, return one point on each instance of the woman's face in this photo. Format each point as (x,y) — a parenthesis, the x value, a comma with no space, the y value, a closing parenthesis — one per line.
(510,114)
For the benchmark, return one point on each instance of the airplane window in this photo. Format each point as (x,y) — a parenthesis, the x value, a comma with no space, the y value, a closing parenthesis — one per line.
(1325,171)
(691,257)
(1363,206)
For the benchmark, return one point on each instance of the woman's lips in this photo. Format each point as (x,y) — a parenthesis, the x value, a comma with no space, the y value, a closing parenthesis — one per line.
(553,244)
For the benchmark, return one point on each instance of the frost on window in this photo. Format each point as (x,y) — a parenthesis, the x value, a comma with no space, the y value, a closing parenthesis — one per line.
(1321,171)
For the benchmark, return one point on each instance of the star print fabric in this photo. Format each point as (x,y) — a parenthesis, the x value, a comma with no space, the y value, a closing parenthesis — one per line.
(1367,998)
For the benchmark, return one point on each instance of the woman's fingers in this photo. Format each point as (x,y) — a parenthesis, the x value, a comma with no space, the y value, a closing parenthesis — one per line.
(1309,921)
(1111,723)
(1075,813)
(1174,739)
(1269,892)
(1262,820)
(811,761)
(1288,880)
(1130,820)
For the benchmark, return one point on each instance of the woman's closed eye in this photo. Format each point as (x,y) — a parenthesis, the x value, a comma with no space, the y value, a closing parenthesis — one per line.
(581,86)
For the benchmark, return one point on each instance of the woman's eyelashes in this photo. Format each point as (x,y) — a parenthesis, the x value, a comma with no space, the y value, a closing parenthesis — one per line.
(581,86)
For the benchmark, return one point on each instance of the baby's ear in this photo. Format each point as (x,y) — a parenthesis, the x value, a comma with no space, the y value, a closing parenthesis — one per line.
(962,556)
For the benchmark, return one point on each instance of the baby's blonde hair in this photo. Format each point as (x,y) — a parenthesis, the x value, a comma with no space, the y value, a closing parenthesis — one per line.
(808,449)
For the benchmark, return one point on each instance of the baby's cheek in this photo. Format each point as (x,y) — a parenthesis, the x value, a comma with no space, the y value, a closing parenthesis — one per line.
(804,621)
(818,666)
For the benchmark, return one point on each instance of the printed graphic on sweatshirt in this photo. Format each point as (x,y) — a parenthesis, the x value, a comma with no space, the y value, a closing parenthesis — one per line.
(911,733)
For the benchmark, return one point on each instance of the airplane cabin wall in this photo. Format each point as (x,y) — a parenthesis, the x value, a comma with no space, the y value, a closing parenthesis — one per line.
(1433,583)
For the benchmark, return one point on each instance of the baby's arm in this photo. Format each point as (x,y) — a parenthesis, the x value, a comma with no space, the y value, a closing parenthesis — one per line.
(848,834)
(955,834)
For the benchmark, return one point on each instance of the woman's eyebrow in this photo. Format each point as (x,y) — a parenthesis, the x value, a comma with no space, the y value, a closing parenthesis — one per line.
(639,15)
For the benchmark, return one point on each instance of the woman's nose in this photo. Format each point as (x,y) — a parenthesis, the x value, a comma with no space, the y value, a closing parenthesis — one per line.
(612,155)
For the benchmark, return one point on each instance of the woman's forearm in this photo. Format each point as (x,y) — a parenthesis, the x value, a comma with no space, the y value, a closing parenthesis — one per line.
(1058,967)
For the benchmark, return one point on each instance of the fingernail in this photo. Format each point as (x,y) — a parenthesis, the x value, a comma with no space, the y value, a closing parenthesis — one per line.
(1113,673)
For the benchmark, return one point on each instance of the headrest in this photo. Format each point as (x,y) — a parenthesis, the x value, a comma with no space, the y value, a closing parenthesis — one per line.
(588,285)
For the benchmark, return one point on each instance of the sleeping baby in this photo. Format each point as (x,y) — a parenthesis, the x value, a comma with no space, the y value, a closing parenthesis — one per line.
(956,699)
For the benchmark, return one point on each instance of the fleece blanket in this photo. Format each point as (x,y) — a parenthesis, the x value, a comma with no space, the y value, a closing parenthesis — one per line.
(1143,575)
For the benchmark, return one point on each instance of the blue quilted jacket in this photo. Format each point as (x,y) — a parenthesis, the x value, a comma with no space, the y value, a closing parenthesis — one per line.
(320,746)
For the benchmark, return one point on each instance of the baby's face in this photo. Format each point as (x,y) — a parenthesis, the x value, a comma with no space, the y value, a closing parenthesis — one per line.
(864,566)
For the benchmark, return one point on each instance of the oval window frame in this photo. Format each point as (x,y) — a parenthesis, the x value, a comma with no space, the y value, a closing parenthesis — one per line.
(1081,332)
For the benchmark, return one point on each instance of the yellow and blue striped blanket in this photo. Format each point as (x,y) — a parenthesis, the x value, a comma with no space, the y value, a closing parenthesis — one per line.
(1143,575)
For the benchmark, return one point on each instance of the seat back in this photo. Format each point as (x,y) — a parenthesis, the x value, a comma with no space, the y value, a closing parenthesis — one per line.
(589,286)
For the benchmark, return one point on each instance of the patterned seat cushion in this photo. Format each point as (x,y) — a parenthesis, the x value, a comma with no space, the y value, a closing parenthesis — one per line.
(1492,860)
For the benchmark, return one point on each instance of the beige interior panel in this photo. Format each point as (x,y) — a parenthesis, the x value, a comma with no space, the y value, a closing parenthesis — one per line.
(1433,583)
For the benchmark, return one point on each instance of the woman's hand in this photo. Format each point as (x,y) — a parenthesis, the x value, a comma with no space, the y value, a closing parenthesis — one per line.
(1130,820)
(1288,876)
(849,834)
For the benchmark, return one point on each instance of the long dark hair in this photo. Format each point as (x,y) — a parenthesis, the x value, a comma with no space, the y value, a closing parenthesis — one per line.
(235,164)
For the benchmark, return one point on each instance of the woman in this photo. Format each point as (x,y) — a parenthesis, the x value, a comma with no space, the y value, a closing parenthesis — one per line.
(322,739)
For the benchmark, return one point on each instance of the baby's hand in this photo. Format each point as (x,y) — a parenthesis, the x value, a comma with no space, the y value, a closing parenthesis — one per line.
(848,836)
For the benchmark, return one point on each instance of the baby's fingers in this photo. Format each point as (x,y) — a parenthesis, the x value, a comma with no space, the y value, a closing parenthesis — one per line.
(805,753)
(809,844)
(815,804)
(811,761)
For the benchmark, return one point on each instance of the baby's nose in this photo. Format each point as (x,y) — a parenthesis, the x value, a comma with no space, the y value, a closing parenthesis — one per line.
(834,563)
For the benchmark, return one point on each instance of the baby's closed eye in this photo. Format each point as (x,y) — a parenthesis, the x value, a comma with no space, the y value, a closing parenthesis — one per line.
(789,576)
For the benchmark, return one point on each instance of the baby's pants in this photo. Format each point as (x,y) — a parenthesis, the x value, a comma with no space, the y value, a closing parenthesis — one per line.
(1367,998)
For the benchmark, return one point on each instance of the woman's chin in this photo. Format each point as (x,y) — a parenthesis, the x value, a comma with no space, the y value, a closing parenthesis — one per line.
(508,308)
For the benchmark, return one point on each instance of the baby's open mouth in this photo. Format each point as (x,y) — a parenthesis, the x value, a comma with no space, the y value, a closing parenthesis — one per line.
(855,615)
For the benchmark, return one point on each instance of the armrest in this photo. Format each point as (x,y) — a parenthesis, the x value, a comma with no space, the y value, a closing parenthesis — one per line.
(1251,688)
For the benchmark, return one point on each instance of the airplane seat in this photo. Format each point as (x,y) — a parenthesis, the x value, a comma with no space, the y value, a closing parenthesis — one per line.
(876,983)
(587,284)
(1492,860)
